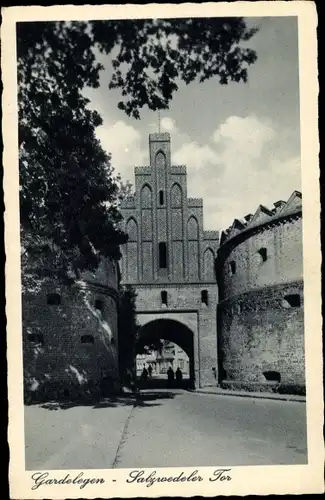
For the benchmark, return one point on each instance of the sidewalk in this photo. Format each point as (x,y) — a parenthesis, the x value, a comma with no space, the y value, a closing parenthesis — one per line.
(245,394)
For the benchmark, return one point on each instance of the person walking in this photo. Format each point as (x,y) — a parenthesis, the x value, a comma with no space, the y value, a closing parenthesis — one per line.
(179,376)
(150,371)
(170,376)
(144,374)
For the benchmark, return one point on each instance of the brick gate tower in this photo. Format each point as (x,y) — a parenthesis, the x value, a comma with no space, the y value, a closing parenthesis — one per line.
(170,260)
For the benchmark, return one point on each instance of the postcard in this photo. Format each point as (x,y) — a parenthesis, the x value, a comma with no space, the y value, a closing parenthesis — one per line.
(163,262)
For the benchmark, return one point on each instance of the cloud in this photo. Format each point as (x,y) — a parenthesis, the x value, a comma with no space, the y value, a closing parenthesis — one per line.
(240,194)
(244,163)
(242,166)
(123,141)
(244,135)
(194,155)
(168,124)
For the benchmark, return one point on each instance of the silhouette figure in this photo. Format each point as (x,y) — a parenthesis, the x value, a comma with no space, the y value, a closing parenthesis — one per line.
(179,376)
(144,374)
(150,371)
(170,376)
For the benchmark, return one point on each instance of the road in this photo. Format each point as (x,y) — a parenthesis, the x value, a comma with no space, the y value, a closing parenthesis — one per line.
(166,428)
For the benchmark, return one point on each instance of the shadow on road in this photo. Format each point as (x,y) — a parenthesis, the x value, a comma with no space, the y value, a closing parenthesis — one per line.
(163,383)
(145,399)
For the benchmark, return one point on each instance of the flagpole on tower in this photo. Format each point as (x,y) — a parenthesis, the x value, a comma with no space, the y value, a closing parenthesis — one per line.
(159,121)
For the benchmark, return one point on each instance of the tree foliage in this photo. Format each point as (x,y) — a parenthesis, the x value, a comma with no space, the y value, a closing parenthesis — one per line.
(155,54)
(69,192)
(147,346)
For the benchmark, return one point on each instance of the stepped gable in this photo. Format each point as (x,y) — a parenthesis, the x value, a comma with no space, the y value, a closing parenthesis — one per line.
(195,202)
(129,202)
(263,215)
(210,235)
(178,169)
(142,170)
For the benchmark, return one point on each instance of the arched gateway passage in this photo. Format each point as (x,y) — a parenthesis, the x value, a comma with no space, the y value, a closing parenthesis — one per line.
(173,331)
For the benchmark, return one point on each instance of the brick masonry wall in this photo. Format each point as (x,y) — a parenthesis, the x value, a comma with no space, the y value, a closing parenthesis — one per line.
(260,332)
(62,362)
(177,221)
(185,306)
(162,213)
(283,242)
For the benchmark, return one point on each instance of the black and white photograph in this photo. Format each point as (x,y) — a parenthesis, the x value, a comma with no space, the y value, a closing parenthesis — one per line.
(162,277)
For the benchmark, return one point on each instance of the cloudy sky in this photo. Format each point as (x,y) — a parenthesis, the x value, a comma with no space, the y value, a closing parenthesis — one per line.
(240,142)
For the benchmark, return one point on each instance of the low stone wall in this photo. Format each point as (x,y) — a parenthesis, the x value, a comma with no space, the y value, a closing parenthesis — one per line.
(239,385)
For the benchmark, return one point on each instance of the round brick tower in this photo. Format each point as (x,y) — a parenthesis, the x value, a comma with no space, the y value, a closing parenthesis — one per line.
(260,310)
(69,332)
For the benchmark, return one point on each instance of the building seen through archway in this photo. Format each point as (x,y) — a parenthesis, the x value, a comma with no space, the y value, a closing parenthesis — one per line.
(177,349)
(171,355)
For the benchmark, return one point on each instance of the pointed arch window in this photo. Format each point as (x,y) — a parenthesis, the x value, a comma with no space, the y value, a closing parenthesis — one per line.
(160,160)
(176,196)
(209,264)
(192,228)
(146,196)
(132,230)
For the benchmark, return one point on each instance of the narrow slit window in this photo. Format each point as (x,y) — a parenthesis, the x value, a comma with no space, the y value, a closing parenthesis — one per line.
(291,301)
(162,255)
(164,298)
(99,305)
(272,376)
(87,339)
(232,267)
(161,197)
(205,297)
(53,299)
(36,338)
(263,254)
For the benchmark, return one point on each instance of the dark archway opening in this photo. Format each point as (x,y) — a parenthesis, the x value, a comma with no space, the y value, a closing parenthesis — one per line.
(173,331)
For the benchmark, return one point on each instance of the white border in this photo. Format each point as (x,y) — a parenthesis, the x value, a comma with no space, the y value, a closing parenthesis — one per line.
(245,480)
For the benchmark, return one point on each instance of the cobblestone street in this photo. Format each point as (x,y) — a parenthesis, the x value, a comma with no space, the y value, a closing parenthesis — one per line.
(166,428)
